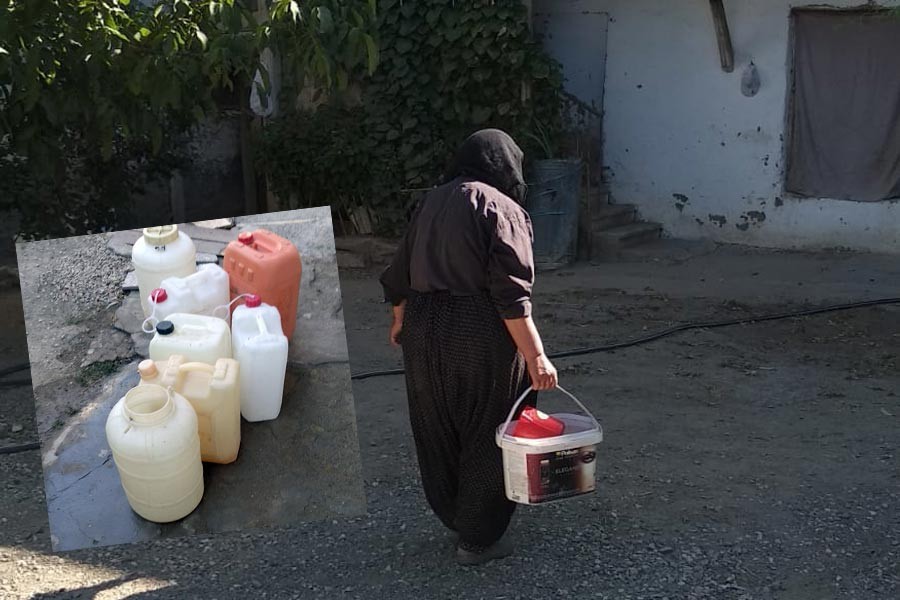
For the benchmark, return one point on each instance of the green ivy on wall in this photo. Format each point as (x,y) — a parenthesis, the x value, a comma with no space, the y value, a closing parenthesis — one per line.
(446,69)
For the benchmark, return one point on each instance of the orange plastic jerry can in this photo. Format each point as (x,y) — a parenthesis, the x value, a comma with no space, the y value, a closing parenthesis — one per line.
(266,264)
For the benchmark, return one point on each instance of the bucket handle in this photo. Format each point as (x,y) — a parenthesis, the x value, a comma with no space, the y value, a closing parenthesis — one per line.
(558,387)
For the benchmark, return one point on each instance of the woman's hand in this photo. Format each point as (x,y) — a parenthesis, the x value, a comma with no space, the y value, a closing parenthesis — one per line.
(528,342)
(542,373)
(396,328)
(397,325)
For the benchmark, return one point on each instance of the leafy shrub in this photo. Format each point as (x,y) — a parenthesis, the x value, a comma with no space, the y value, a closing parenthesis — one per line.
(94,94)
(446,69)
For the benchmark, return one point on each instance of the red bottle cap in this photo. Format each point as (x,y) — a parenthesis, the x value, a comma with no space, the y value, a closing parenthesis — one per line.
(245,237)
(252,301)
(158,295)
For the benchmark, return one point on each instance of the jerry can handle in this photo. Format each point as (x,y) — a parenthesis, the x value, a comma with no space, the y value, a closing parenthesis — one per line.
(261,325)
(195,366)
(561,389)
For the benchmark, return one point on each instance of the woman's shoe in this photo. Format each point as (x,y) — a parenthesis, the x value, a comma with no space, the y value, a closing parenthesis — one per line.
(501,549)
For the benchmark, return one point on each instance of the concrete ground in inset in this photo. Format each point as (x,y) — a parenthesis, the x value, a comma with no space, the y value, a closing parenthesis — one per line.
(303,465)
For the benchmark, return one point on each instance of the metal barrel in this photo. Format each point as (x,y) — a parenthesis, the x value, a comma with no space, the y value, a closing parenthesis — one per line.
(552,202)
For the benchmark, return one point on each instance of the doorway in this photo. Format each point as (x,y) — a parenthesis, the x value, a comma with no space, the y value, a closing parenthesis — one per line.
(574,33)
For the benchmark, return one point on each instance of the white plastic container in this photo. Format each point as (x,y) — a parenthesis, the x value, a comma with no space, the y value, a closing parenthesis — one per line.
(540,470)
(197,338)
(152,433)
(214,393)
(262,349)
(197,294)
(159,253)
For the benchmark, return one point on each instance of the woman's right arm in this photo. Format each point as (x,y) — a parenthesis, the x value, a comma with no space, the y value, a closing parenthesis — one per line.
(528,341)
(511,268)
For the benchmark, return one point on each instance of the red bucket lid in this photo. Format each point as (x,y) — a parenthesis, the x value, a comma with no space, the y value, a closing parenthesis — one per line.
(532,423)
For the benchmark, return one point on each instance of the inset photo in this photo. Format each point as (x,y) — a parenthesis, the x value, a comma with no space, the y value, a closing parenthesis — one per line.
(191,378)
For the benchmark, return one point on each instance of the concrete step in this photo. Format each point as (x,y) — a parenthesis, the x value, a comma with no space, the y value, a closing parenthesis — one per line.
(611,216)
(216,223)
(625,236)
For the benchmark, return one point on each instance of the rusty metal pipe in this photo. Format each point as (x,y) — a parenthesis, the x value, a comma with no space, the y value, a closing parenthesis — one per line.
(723,35)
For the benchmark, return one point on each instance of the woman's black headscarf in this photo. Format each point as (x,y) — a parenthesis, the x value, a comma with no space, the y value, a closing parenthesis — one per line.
(492,157)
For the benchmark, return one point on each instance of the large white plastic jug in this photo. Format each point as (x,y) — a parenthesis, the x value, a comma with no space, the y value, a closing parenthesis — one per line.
(197,294)
(214,393)
(152,433)
(196,337)
(262,349)
(159,253)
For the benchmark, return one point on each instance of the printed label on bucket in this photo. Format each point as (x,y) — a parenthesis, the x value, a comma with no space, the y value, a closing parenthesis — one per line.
(561,474)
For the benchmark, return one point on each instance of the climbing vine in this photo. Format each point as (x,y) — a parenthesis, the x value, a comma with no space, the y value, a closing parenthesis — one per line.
(445,70)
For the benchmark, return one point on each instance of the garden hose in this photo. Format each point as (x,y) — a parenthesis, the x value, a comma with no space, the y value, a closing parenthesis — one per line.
(20,448)
(578,351)
(684,327)
(15,369)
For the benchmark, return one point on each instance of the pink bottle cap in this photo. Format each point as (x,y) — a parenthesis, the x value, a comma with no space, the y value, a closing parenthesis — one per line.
(245,237)
(158,295)
(252,301)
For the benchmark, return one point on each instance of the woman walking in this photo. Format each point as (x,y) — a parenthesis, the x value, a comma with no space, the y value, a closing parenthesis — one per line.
(460,285)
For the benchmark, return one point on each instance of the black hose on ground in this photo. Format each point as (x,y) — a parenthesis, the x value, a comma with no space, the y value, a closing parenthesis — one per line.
(606,348)
(685,327)
(20,448)
(15,369)
(14,383)
(725,323)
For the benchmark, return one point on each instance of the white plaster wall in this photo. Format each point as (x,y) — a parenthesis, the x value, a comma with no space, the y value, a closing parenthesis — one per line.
(675,123)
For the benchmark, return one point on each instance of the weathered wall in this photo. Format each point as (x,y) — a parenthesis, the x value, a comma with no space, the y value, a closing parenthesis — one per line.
(693,153)
(212,186)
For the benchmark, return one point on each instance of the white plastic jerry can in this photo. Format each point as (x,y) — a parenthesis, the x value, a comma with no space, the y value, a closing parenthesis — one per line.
(198,294)
(152,432)
(214,393)
(262,349)
(161,252)
(198,338)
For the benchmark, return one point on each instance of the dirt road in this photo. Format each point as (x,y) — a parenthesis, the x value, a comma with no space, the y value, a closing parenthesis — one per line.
(752,462)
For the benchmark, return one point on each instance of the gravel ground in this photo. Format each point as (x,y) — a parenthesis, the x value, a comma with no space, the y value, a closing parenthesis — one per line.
(89,277)
(73,286)
(755,462)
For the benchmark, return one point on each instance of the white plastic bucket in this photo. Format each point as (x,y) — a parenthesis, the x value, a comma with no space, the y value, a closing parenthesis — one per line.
(541,470)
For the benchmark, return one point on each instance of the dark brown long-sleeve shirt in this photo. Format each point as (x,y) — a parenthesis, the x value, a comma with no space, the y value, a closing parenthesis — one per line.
(466,238)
